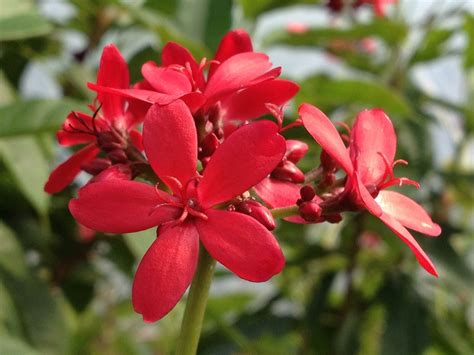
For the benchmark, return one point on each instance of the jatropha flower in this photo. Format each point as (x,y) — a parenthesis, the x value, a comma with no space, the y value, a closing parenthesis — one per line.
(238,85)
(369,162)
(109,129)
(194,212)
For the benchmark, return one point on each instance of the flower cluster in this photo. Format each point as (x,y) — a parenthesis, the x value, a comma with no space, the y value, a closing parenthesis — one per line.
(197,150)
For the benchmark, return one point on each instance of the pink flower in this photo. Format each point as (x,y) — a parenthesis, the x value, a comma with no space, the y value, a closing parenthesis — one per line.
(239,82)
(368,162)
(194,211)
(110,128)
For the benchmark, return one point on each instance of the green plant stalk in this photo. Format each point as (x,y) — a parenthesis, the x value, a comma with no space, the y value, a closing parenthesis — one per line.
(283,212)
(196,305)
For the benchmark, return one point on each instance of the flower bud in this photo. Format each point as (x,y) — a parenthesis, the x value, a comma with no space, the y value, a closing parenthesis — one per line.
(327,162)
(256,210)
(288,171)
(310,211)
(307,193)
(115,172)
(208,145)
(96,166)
(295,150)
(333,218)
(117,156)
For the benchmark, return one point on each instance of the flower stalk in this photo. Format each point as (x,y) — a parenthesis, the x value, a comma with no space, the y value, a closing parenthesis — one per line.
(284,212)
(196,305)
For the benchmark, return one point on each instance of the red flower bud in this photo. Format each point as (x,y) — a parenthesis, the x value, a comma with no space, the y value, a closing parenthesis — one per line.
(117,156)
(117,172)
(288,171)
(295,150)
(208,145)
(256,210)
(333,218)
(307,193)
(96,166)
(310,211)
(327,162)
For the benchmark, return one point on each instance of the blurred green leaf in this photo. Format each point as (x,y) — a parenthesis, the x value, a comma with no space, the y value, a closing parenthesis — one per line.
(11,253)
(34,116)
(30,169)
(469,51)
(330,93)
(253,8)
(390,31)
(432,45)
(19,20)
(13,346)
(406,329)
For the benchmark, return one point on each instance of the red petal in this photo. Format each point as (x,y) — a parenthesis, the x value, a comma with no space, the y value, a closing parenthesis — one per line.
(166,80)
(364,195)
(242,161)
(68,139)
(65,173)
(170,140)
(276,193)
(408,239)
(241,244)
(173,53)
(120,206)
(165,271)
(250,103)
(234,42)
(372,136)
(236,73)
(407,212)
(137,139)
(113,72)
(149,96)
(324,132)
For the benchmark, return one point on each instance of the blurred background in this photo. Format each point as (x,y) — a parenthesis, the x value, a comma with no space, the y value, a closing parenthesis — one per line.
(348,288)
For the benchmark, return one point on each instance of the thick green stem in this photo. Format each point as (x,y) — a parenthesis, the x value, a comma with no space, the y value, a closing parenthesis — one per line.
(196,305)
(283,212)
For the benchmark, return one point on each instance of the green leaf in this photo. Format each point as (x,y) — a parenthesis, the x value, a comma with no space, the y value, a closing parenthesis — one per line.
(406,330)
(205,21)
(20,20)
(469,51)
(390,31)
(253,8)
(11,253)
(13,346)
(328,93)
(29,168)
(34,116)
(432,46)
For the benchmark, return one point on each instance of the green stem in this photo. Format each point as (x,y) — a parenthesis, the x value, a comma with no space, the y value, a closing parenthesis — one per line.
(283,212)
(196,305)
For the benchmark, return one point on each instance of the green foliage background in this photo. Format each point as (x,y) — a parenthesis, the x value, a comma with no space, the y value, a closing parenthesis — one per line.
(339,293)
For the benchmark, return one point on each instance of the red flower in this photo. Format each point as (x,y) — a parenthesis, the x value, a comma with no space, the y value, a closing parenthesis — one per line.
(192,213)
(239,80)
(110,127)
(369,162)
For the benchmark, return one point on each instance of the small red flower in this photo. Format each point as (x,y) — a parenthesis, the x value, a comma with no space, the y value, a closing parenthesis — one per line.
(109,129)
(193,212)
(369,162)
(239,81)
